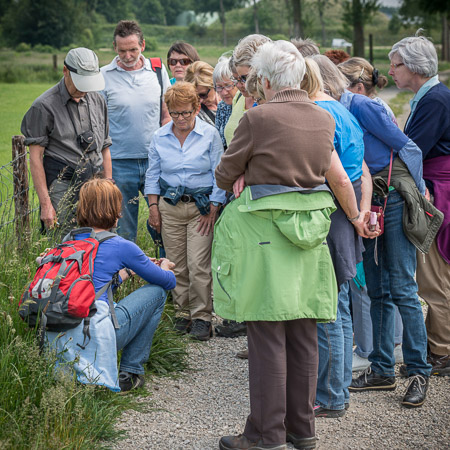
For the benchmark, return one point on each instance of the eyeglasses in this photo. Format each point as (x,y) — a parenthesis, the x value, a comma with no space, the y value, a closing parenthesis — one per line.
(395,66)
(241,79)
(227,87)
(183,61)
(176,114)
(204,96)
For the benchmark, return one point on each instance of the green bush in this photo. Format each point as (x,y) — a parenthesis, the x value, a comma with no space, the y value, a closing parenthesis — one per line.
(23,47)
(44,48)
(151,44)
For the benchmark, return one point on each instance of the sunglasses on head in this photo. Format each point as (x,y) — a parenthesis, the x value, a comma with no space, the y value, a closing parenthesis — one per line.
(183,61)
(204,96)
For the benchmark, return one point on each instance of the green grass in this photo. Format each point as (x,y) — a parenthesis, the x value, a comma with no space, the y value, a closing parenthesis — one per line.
(398,102)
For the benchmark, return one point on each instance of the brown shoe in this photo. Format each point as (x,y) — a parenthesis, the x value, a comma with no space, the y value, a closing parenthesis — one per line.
(440,363)
(243,354)
(240,442)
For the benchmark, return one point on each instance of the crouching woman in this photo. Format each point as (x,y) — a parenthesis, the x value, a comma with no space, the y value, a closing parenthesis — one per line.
(138,314)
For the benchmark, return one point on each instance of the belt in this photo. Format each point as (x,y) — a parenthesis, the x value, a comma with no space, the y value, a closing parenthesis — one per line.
(187,198)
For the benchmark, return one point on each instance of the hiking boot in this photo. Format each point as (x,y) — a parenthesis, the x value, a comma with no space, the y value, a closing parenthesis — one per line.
(243,354)
(328,413)
(240,442)
(201,330)
(299,442)
(359,363)
(440,365)
(231,329)
(416,391)
(370,380)
(128,381)
(182,325)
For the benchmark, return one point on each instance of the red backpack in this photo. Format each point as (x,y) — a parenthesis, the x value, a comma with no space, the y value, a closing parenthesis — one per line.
(62,292)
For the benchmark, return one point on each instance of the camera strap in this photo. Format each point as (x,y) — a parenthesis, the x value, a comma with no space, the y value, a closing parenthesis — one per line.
(73,121)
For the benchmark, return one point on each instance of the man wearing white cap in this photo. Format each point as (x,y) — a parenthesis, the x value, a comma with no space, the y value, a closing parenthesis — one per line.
(67,132)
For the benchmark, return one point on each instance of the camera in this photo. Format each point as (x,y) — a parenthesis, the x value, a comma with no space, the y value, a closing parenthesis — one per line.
(86,141)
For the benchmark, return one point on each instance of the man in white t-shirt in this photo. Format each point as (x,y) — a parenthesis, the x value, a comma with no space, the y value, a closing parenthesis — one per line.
(134,94)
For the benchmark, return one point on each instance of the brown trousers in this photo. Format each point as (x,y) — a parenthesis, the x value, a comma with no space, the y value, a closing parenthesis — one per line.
(433,279)
(283,362)
(191,254)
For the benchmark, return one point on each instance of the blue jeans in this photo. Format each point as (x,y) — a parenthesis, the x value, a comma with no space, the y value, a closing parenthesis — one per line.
(129,175)
(391,282)
(362,322)
(335,356)
(138,315)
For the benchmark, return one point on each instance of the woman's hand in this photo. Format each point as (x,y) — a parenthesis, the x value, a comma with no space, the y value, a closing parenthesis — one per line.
(206,223)
(427,194)
(123,273)
(166,264)
(154,218)
(238,186)
(362,226)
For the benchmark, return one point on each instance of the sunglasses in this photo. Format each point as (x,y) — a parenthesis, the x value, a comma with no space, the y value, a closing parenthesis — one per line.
(241,79)
(183,61)
(185,114)
(204,96)
(227,87)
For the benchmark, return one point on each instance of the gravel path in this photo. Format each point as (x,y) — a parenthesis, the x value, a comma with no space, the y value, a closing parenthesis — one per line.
(212,400)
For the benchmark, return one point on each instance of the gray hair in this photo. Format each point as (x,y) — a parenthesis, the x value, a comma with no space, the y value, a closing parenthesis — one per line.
(418,54)
(247,47)
(334,81)
(281,64)
(307,47)
(222,70)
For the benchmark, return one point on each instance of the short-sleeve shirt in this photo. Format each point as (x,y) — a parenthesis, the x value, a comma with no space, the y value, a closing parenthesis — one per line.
(133,98)
(55,120)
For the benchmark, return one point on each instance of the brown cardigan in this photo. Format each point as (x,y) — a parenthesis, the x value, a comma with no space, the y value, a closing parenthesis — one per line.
(287,141)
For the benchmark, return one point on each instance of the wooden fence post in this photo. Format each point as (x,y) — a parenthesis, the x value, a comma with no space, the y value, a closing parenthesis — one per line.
(21,188)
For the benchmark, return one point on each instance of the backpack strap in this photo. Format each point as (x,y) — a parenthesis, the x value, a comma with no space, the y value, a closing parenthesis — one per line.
(71,235)
(103,236)
(156,64)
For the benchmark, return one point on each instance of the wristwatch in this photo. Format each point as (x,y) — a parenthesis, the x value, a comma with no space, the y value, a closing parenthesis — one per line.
(216,204)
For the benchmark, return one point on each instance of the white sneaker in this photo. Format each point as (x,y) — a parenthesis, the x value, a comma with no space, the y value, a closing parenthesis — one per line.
(359,363)
(398,354)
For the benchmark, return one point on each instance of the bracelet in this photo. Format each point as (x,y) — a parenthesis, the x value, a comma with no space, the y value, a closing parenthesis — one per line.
(129,272)
(112,180)
(354,218)
(152,204)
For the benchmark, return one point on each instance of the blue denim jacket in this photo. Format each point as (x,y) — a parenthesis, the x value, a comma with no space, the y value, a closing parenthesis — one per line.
(173,194)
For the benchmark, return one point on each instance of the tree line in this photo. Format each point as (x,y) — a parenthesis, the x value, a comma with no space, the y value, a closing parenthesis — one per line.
(61,22)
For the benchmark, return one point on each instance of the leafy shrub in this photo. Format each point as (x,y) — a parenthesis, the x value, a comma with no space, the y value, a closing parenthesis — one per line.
(40,48)
(151,44)
(23,47)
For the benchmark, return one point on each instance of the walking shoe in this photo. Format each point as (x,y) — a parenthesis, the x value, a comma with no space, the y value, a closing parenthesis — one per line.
(441,364)
(299,442)
(359,363)
(398,354)
(369,380)
(201,330)
(128,381)
(231,329)
(243,354)
(240,442)
(182,325)
(416,391)
(328,413)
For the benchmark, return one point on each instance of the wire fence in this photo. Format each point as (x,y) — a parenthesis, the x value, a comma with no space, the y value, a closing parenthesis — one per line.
(19,206)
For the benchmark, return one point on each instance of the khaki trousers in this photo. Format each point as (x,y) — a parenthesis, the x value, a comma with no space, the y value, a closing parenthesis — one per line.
(433,279)
(283,362)
(191,254)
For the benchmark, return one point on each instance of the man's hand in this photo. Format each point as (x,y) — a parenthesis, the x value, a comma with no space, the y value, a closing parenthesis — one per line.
(206,223)
(238,186)
(362,226)
(154,218)
(48,216)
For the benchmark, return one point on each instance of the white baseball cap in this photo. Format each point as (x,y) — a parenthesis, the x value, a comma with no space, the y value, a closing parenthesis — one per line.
(82,64)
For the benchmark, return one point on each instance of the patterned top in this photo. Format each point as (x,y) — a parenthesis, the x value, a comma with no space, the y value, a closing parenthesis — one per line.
(222,115)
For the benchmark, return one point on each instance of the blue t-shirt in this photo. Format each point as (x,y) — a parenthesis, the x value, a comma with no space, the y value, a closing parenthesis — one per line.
(348,138)
(117,253)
